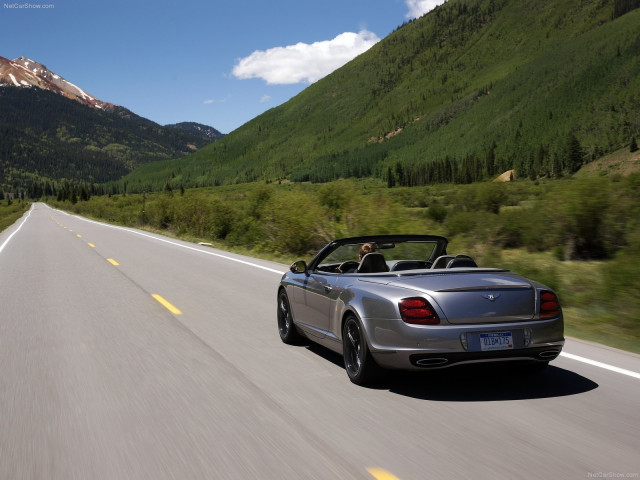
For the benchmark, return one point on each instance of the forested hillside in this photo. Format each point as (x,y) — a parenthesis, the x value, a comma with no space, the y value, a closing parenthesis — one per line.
(468,91)
(45,138)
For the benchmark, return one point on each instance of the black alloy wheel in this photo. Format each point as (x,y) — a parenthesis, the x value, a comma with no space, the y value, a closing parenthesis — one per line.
(358,362)
(286,328)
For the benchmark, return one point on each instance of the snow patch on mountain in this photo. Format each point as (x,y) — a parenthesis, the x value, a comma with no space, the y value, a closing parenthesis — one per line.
(23,72)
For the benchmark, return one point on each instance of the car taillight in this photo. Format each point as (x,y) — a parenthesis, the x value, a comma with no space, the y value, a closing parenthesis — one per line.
(549,305)
(418,311)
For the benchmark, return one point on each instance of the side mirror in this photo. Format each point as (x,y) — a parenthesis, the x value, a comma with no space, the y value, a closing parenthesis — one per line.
(298,267)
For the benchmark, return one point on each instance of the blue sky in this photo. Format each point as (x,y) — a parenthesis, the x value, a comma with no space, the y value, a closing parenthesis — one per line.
(212,62)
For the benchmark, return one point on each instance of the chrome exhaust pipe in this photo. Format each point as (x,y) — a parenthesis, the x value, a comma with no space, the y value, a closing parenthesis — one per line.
(550,354)
(432,362)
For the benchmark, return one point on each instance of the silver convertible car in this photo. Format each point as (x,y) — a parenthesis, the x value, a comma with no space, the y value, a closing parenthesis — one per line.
(401,302)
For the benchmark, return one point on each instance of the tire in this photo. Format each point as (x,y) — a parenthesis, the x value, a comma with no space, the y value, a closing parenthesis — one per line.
(361,368)
(286,328)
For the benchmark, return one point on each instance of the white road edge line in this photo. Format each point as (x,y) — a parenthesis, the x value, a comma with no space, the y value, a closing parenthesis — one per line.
(17,230)
(601,365)
(279,272)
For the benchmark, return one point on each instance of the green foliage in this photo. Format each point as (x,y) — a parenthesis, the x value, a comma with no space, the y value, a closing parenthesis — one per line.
(337,196)
(621,282)
(492,196)
(468,91)
(624,6)
(542,222)
(437,212)
(10,211)
(46,135)
(292,223)
(574,154)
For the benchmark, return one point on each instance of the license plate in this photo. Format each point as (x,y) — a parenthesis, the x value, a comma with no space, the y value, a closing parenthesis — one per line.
(496,341)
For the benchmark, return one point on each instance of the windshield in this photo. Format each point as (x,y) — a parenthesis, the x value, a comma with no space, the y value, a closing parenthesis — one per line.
(392,251)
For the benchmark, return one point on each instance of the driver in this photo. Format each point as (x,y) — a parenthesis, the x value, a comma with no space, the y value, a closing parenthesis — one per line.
(364,249)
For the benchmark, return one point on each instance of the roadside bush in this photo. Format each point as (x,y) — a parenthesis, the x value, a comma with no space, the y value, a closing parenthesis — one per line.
(466,198)
(577,219)
(491,196)
(223,219)
(547,274)
(246,232)
(372,215)
(257,199)
(461,223)
(291,222)
(336,196)
(515,222)
(621,280)
(193,215)
(437,212)
(160,211)
(11,212)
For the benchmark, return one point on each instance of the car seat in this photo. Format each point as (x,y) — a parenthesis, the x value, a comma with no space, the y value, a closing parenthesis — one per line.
(373,262)
(442,261)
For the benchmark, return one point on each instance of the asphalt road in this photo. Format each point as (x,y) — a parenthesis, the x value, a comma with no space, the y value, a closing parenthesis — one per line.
(128,355)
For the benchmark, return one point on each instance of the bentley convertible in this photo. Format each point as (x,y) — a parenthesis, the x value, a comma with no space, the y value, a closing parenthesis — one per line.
(401,302)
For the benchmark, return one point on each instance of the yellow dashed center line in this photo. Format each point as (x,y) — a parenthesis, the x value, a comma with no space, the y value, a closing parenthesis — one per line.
(91,245)
(380,474)
(79,236)
(166,304)
(112,262)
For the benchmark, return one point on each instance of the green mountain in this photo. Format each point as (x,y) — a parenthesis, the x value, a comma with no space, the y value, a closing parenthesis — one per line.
(471,89)
(47,137)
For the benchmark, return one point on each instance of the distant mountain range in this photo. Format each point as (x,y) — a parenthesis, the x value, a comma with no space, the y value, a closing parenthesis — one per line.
(198,129)
(52,130)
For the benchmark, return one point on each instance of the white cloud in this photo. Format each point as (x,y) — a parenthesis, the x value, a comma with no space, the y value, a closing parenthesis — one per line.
(265,98)
(304,62)
(210,101)
(417,8)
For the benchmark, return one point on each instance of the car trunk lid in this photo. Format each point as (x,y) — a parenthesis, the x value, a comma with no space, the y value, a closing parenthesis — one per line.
(476,297)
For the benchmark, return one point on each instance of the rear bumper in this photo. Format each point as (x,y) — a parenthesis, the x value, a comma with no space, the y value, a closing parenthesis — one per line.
(435,360)
(441,346)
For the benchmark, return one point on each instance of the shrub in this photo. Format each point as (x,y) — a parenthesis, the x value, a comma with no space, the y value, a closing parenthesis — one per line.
(290,221)
(514,224)
(577,218)
(336,196)
(437,212)
(377,215)
(193,215)
(491,196)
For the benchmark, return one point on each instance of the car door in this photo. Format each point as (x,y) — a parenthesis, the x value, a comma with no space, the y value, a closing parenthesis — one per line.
(314,301)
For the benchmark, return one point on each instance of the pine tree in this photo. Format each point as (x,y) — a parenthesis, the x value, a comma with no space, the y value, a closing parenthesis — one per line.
(574,154)
(391,181)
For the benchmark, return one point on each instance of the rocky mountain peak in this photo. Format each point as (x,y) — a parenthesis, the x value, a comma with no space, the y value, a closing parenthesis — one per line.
(23,72)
